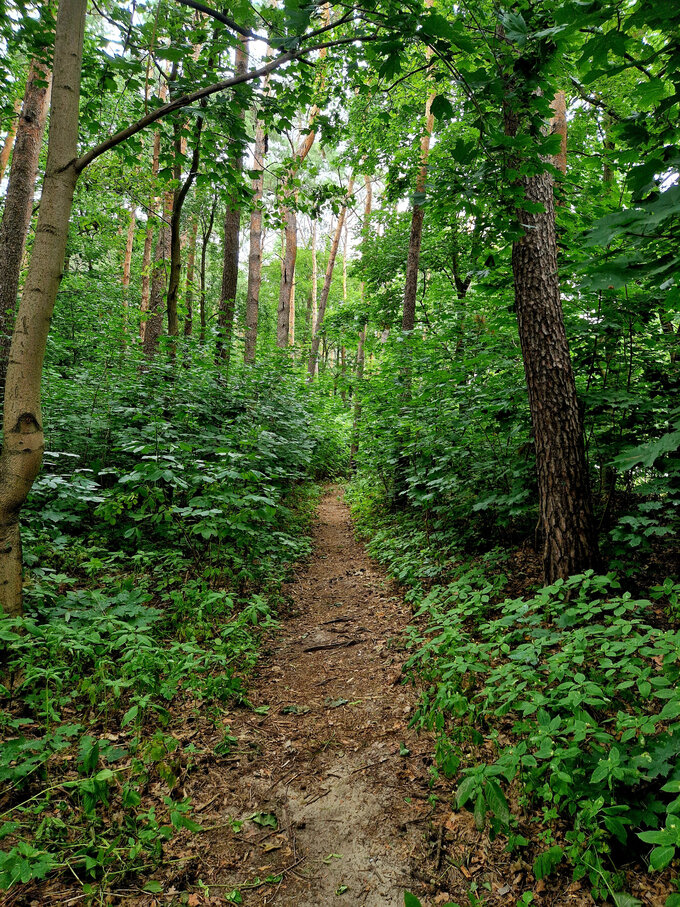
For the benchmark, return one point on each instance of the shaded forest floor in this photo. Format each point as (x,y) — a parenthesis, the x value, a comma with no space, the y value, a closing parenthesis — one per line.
(320,793)
(326,796)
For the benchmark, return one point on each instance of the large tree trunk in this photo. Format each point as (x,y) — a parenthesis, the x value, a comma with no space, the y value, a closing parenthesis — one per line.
(16,217)
(23,431)
(569,536)
(232,228)
(8,144)
(325,290)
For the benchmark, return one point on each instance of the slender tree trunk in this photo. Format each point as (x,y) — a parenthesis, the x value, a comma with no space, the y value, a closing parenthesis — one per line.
(315,278)
(289,255)
(16,217)
(255,253)
(232,228)
(179,197)
(8,144)
(361,346)
(159,280)
(23,430)
(325,291)
(204,250)
(189,291)
(287,277)
(148,239)
(408,322)
(127,265)
(566,515)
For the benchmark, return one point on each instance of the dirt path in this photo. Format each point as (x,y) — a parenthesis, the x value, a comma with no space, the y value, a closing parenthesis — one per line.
(333,760)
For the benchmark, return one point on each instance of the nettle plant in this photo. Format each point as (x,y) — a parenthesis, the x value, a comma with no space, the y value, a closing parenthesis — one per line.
(586,691)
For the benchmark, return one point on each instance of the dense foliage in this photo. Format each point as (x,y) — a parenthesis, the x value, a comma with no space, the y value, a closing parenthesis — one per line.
(178,480)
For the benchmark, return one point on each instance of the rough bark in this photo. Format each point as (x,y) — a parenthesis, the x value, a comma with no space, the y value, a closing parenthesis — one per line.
(16,217)
(232,228)
(189,286)
(8,144)
(569,537)
(23,431)
(325,290)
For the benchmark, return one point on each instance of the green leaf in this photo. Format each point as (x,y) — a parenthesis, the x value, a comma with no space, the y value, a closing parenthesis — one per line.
(496,801)
(153,887)
(621,899)
(660,857)
(441,108)
(546,862)
(410,900)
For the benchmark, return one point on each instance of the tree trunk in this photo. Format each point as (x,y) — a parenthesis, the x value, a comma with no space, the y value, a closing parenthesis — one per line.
(408,321)
(325,291)
(315,279)
(570,543)
(16,217)
(127,265)
(189,291)
(207,233)
(159,279)
(361,346)
(232,229)
(8,144)
(23,431)
(148,239)
(287,277)
(255,253)
(289,254)
(178,199)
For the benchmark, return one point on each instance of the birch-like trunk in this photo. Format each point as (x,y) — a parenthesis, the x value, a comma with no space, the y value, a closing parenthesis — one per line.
(16,217)
(23,430)
(255,252)
(189,286)
(325,291)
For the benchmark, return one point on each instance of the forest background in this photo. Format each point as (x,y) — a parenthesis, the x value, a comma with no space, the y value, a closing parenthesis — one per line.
(430,246)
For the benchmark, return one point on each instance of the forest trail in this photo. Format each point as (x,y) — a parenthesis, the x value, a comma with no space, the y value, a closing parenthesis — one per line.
(329,759)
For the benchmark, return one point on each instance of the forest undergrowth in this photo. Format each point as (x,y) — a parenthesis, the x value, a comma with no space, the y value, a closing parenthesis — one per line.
(555,708)
(157,539)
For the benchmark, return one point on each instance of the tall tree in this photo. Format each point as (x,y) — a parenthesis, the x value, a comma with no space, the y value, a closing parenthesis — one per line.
(312,362)
(232,231)
(16,217)
(23,434)
(566,513)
